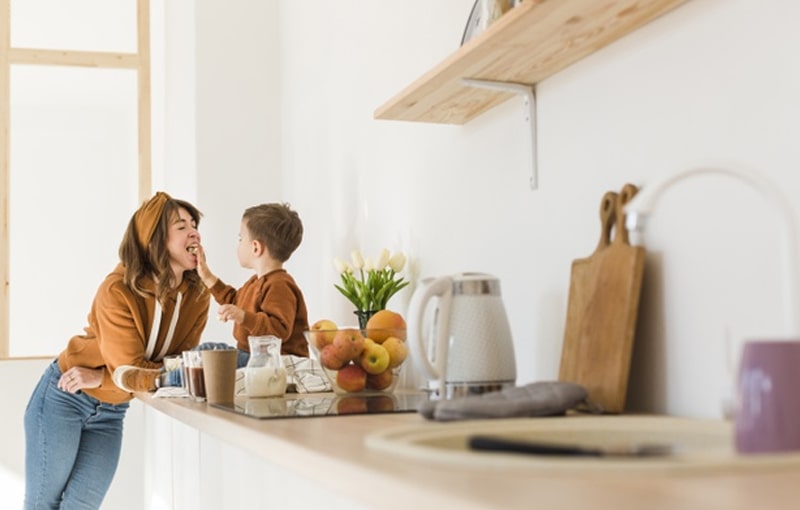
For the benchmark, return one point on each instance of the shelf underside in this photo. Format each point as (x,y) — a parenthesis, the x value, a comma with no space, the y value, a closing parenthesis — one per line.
(533,41)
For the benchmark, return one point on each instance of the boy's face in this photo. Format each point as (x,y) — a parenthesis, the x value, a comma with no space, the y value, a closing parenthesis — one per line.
(244,252)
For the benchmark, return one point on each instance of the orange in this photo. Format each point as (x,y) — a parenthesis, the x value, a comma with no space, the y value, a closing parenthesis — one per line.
(386,323)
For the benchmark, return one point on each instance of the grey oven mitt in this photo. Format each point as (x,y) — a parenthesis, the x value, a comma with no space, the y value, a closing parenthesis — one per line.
(545,398)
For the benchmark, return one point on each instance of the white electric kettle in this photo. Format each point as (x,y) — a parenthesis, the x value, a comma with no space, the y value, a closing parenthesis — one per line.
(470,350)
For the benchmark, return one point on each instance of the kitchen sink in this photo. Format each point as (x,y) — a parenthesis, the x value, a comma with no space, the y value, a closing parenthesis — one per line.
(694,444)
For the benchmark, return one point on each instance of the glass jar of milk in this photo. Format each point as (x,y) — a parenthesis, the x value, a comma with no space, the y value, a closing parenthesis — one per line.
(265,375)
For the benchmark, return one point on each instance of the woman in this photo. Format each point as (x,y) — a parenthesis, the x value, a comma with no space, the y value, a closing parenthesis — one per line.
(152,305)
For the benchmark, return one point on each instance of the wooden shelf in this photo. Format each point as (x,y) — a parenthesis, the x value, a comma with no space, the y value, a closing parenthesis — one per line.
(531,42)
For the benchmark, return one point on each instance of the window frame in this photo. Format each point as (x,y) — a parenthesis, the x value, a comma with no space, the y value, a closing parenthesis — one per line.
(139,61)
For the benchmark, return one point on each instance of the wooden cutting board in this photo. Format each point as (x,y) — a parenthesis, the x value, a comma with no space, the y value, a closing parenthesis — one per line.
(603,304)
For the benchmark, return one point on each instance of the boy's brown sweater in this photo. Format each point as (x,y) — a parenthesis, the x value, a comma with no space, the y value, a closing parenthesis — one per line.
(273,305)
(119,328)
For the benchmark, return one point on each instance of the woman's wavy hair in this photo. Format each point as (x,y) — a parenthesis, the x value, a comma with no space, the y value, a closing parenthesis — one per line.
(153,261)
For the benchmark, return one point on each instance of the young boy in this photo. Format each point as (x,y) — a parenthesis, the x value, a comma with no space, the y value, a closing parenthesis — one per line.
(270,302)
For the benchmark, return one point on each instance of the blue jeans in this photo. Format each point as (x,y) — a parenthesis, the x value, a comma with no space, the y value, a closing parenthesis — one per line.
(72,446)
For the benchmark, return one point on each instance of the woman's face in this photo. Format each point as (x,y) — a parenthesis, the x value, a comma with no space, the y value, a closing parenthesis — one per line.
(182,240)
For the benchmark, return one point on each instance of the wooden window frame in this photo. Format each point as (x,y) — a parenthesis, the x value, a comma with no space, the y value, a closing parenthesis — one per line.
(139,61)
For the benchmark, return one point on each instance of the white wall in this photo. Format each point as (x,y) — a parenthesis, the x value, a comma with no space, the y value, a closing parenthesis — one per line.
(711,83)
(714,82)
(685,91)
(238,127)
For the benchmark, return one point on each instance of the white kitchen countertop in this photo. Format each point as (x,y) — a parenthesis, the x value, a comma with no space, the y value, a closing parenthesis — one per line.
(331,451)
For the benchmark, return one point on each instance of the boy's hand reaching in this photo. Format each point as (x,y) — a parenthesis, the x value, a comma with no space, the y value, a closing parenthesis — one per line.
(209,279)
(230,313)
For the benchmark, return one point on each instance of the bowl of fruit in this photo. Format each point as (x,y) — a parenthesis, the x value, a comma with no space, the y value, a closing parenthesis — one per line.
(362,361)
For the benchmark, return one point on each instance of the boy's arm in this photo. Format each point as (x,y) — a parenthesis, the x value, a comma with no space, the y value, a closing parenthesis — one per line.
(223,293)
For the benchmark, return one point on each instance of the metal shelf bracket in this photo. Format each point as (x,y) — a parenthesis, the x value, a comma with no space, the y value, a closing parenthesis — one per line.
(528,92)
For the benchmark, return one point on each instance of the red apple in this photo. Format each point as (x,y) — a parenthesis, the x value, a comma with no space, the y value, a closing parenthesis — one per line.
(324,331)
(351,378)
(374,358)
(380,381)
(329,359)
(348,344)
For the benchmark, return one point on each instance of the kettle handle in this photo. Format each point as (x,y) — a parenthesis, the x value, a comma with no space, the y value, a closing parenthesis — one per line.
(443,289)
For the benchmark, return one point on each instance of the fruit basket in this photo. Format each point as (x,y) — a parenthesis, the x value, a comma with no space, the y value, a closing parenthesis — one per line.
(359,361)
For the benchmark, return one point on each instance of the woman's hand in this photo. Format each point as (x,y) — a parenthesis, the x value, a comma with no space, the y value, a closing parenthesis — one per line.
(230,313)
(78,378)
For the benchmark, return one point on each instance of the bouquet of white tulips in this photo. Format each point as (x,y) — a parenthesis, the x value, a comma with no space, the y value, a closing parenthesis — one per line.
(369,284)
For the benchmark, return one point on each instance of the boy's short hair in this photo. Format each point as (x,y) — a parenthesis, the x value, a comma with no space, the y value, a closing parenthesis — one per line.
(276,226)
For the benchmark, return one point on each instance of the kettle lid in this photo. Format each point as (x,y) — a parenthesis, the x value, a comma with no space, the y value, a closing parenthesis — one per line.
(476,284)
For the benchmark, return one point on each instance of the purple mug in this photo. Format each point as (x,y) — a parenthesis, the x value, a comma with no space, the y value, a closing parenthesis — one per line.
(768,415)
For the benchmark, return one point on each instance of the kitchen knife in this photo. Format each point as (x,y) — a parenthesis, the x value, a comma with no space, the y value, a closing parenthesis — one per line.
(506,445)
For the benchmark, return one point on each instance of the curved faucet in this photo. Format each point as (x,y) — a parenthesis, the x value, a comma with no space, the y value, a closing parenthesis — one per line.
(641,207)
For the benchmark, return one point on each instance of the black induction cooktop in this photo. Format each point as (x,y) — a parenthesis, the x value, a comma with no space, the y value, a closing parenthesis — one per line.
(310,405)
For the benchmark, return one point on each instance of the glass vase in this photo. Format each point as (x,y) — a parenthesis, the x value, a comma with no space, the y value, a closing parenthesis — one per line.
(363,317)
